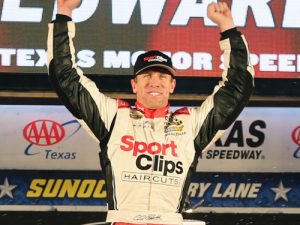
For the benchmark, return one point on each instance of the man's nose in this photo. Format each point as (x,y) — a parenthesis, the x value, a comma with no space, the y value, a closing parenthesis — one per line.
(154,80)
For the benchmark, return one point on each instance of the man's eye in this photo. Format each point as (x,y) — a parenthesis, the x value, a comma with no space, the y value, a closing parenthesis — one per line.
(146,75)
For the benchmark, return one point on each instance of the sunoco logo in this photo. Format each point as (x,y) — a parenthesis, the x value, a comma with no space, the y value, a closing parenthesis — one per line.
(44,132)
(296,140)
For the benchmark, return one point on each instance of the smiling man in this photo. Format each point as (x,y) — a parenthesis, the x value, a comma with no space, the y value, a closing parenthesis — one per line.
(154,79)
(147,152)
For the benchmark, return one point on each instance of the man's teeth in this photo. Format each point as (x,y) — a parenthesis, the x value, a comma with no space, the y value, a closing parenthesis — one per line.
(154,93)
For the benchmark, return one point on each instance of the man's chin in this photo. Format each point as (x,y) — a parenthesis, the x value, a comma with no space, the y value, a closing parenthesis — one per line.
(156,105)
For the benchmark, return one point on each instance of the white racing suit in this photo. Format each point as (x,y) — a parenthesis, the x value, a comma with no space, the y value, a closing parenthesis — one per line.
(148,156)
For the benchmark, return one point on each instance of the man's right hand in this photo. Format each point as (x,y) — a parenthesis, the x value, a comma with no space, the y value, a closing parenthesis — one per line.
(66,7)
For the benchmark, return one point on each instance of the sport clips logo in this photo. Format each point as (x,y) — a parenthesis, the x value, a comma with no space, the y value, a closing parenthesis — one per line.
(151,156)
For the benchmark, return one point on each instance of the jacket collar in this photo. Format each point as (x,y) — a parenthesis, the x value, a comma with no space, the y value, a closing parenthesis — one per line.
(152,113)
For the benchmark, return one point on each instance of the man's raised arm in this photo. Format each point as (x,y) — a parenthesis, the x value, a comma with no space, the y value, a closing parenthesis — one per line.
(78,93)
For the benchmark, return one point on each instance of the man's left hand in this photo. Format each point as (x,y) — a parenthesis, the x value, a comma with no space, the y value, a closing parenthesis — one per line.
(220,14)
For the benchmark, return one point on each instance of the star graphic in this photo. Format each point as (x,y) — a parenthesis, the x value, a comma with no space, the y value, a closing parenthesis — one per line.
(6,189)
(281,192)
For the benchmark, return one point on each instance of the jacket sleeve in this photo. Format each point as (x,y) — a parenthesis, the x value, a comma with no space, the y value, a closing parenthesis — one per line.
(229,97)
(80,95)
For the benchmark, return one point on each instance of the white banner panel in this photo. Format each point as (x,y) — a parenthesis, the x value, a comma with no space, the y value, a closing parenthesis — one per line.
(261,140)
(48,137)
(44,137)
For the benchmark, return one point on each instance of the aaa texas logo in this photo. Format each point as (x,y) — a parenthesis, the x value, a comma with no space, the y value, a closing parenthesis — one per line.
(47,133)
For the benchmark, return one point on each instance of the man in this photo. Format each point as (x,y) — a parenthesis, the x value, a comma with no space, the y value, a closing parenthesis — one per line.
(147,152)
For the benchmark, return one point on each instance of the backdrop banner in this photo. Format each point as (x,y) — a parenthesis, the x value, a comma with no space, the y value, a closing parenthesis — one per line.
(262,139)
(48,162)
(111,34)
(46,190)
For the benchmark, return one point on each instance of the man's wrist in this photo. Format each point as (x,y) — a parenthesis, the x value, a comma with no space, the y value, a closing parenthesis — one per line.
(64,11)
(233,32)
(62,18)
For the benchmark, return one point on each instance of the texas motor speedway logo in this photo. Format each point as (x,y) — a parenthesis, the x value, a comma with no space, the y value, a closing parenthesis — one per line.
(239,146)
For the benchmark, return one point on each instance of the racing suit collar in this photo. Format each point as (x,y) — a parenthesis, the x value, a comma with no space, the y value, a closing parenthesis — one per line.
(152,113)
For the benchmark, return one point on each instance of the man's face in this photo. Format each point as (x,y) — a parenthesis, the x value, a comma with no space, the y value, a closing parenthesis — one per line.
(153,87)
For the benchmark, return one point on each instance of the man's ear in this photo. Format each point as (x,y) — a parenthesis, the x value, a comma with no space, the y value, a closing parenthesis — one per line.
(173,85)
(133,85)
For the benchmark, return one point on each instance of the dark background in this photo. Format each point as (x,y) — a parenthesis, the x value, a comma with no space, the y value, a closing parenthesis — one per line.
(79,218)
(20,88)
